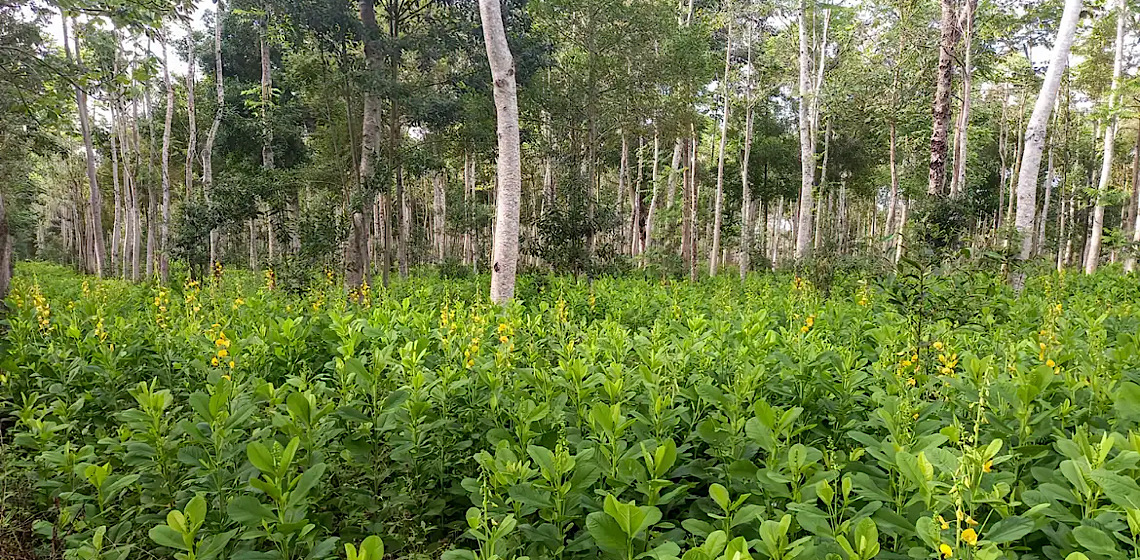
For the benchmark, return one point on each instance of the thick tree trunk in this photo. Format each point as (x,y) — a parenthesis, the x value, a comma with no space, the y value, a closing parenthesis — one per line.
(208,150)
(718,200)
(807,144)
(1093,258)
(509,168)
(942,94)
(164,225)
(358,257)
(95,213)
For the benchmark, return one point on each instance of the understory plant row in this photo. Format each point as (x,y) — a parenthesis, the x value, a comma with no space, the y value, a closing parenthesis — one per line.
(927,414)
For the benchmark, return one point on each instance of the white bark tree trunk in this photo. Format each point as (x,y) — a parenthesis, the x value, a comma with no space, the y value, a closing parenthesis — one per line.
(164,225)
(807,144)
(95,231)
(718,200)
(1035,131)
(509,167)
(208,150)
(1093,258)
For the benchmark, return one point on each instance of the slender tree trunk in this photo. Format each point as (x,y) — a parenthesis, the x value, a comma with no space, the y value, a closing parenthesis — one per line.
(687,208)
(5,254)
(267,159)
(1133,224)
(962,128)
(746,204)
(95,229)
(1018,155)
(439,214)
(208,150)
(807,144)
(718,200)
(358,259)
(1003,149)
(1093,259)
(164,225)
(116,227)
(942,94)
(191,114)
(893,199)
(1043,220)
(651,213)
(635,201)
(694,203)
(509,168)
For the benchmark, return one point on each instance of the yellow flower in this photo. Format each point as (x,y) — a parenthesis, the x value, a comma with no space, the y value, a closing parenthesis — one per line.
(942,523)
(970,537)
(906,363)
(214,361)
(1051,363)
(938,346)
(911,382)
(226,376)
(231,364)
(945,550)
(223,353)
(804,329)
(1041,345)
(970,521)
(988,467)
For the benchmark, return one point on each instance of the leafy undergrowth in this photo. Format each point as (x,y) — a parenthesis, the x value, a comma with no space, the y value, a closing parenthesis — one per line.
(918,416)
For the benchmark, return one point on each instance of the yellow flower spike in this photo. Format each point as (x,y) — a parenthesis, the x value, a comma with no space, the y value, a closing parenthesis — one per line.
(970,537)
(945,550)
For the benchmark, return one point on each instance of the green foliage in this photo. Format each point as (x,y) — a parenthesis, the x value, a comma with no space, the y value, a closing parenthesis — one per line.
(620,418)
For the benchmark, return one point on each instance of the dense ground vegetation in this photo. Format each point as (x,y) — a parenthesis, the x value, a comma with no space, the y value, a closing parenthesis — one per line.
(920,415)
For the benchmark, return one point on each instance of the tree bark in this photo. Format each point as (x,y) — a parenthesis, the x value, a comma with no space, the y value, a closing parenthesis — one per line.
(807,145)
(439,214)
(5,254)
(1133,223)
(1093,258)
(942,94)
(191,113)
(962,128)
(164,224)
(208,150)
(358,257)
(718,200)
(509,167)
(745,187)
(95,229)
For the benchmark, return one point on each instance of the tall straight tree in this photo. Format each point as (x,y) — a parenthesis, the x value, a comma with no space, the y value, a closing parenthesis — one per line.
(718,202)
(164,223)
(807,143)
(95,208)
(942,94)
(509,167)
(358,255)
(208,150)
(1038,123)
(746,189)
(1092,260)
(962,127)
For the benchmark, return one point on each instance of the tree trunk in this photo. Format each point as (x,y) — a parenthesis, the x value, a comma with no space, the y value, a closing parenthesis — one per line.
(745,187)
(1133,223)
(962,127)
(807,145)
(95,229)
(267,160)
(152,200)
(718,200)
(5,254)
(116,227)
(1044,218)
(164,225)
(358,257)
(208,150)
(941,109)
(439,214)
(651,212)
(509,167)
(191,113)
(1093,258)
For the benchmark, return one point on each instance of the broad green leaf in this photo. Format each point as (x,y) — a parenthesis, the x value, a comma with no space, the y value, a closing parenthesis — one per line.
(168,537)
(605,531)
(260,457)
(719,494)
(248,511)
(1096,541)
(1008,530)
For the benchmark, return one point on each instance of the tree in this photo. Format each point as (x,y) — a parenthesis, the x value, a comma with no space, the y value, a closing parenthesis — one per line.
(941,110)
(807,143)
(509,167)
(1092,258)
(1036,130)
